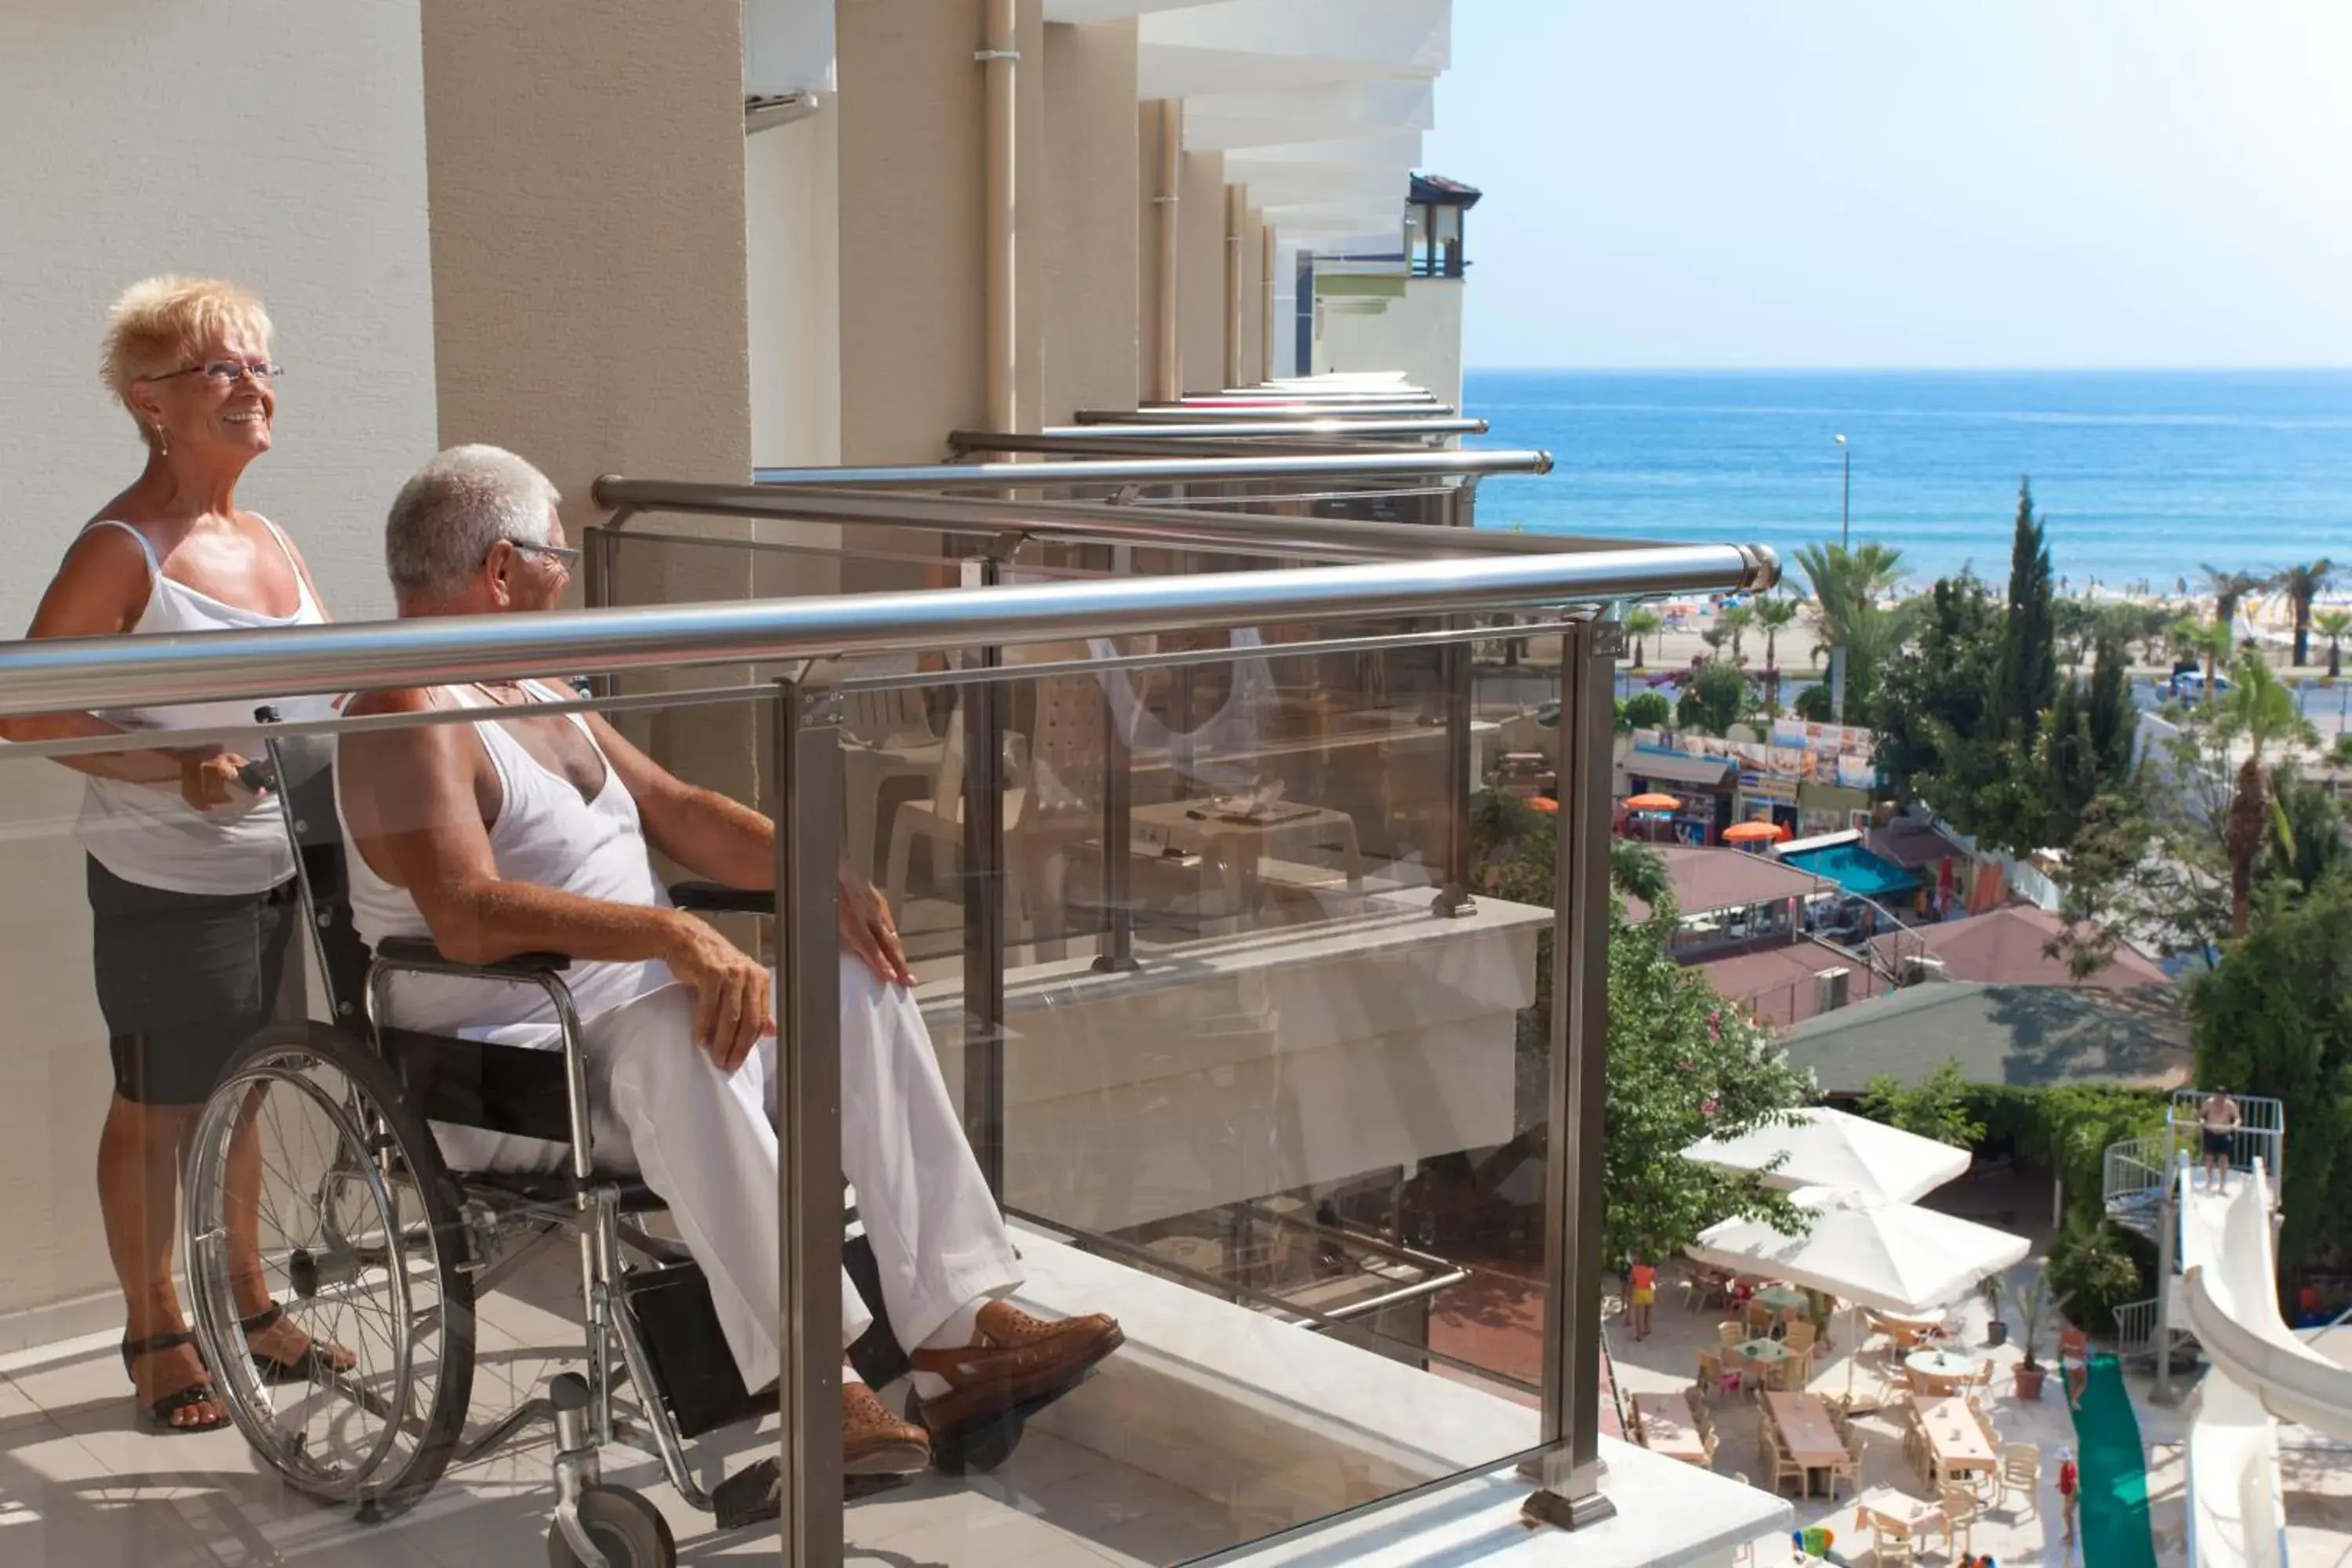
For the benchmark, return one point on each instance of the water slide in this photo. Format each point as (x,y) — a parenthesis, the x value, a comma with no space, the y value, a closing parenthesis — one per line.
(2263,1373)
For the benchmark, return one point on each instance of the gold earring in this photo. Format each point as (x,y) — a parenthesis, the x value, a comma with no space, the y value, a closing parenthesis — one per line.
(162,442)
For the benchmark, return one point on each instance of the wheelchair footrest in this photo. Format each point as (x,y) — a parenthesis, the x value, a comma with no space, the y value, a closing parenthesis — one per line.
(683,1340)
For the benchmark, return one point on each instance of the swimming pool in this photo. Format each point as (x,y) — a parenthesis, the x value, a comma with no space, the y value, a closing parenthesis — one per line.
(1858,870)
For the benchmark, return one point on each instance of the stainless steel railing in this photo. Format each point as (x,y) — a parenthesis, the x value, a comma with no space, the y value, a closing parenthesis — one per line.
(1115,473)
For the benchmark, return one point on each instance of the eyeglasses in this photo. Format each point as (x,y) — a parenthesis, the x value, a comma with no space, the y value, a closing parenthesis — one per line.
(566,556)
(229,371)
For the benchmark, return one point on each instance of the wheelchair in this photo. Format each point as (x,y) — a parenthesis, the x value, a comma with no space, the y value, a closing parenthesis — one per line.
(360,1231)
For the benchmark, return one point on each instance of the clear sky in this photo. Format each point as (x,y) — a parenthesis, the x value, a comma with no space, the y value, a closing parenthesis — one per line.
(1903,183)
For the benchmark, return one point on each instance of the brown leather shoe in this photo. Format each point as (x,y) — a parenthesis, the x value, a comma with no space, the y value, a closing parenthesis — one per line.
(1018,1360)
(875,1443)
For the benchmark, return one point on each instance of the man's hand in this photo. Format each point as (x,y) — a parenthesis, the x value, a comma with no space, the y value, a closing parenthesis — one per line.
(731,1007)
(208,779)
(869,933)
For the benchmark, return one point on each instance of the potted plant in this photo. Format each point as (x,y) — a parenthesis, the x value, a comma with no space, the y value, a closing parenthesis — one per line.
(2032,1305)
(1996,1328)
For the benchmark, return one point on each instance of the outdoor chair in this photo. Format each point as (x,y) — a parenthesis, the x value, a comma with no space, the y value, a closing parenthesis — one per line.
(1782,1464)
(1801,1337)
(1848,1469)
(2021,1470)
(1757,1316)
(1961,1508)
(1889,1550)
(1731,1335)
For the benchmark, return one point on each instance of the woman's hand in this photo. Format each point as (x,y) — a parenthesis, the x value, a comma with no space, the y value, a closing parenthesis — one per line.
(732,1005)
(208,779)
(869,933)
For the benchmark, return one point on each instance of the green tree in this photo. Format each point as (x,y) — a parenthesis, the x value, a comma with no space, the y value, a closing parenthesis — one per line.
(1776,612)
(1934,702)
(2028,681)
(1936,1108)
(1718,698)
(2228,588)
(2113,716)
(2309,843)
(2092,1271)
(1642,622)
(1683,1063)
(1734,620)
(2334,625)
(2261,712)
(1649,711)
(2206,640)
(2302,584)
(2274,1018)
(2070,768)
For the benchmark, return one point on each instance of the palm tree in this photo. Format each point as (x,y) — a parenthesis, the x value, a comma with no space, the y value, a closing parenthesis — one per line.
(1735,621)
(2302,584)
(1643,622)
(2207,640)
(2229,588)
(1775,612)
(1638,871)
(2261,712)
(2334,625)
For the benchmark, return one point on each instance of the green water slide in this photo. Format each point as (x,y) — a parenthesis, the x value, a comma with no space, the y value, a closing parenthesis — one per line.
(2114,1524)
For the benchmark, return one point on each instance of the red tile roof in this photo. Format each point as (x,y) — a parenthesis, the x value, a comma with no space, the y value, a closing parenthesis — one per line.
(2003,947)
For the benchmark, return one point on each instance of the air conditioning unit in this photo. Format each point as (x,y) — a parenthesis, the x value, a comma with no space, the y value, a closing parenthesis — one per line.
(1918,969)
(1834,988)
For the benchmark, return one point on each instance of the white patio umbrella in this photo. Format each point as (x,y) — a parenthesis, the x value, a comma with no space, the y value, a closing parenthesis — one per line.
(1831,1149)
(1898,1258)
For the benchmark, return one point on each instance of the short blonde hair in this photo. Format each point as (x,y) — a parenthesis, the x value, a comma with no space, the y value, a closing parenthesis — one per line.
(160,323)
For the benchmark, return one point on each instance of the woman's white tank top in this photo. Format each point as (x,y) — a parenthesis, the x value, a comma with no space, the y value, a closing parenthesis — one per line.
(544,833)
(148,834)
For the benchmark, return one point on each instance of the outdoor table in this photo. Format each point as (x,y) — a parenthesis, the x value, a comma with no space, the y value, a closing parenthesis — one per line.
(1805,1426)
(1668,1427)
(1760,1353)
(1234,843)
(1955,1440)
(1780,1297)
(1942,1371)
(1899,1513)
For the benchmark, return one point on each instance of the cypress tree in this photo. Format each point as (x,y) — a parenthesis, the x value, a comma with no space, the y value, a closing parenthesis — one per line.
(2028,653)
(2113,720)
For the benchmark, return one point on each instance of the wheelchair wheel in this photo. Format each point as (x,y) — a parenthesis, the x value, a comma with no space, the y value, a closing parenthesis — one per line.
(307,1164)
(629,1531)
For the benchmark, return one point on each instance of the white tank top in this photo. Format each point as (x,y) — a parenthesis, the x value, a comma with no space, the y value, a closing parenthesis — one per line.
(148,834)
(544,833)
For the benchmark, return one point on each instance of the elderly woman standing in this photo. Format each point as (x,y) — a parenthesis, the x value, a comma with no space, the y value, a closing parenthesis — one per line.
(191,901)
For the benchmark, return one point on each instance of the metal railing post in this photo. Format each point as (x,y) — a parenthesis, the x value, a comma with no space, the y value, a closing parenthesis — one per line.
(1580,1047)
(808,1184)
(1456,679)
(983,908)
(1117,851)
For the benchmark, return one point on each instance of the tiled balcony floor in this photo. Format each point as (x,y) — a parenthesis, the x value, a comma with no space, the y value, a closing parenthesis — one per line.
(80,1485)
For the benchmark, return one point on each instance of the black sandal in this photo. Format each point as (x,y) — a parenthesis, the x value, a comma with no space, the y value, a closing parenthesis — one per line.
(157,1416)
(312,1365)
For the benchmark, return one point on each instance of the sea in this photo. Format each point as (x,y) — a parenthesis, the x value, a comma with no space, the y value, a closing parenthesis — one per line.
(2144,477)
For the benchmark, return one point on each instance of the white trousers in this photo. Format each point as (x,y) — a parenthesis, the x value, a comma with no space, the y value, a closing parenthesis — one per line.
(705,1143)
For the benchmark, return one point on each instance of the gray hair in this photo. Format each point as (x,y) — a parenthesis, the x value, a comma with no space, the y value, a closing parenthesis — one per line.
(453,510)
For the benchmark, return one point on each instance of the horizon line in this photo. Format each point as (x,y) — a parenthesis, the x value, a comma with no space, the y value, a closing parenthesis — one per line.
(1913,369)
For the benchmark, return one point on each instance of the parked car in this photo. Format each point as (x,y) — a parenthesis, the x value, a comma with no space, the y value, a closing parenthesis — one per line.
(2190,684)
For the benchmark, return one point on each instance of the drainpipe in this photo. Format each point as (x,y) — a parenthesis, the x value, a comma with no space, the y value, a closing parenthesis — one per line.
(1168,382)
(1236,212)
(998,58)
(1265,302)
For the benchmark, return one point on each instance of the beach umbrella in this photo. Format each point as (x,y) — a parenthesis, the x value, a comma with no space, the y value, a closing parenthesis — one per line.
(1825,1148)
(1654,801)
(1750,833)
(1898,1258)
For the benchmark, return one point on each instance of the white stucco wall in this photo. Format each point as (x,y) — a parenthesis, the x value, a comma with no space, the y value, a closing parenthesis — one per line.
(278,144)
(1420,334)
(793,246)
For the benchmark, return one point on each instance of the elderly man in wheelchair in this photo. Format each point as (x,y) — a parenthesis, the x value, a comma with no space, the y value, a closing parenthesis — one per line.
(529,974)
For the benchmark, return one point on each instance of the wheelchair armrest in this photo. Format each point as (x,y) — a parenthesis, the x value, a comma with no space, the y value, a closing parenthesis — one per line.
(711,897)
(417,950)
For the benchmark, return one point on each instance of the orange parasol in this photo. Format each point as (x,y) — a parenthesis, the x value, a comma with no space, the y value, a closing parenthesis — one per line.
(1749,833)
(1653,802)
(1542,802)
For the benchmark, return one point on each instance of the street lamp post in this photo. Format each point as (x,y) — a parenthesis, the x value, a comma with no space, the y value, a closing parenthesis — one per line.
(1845,493)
